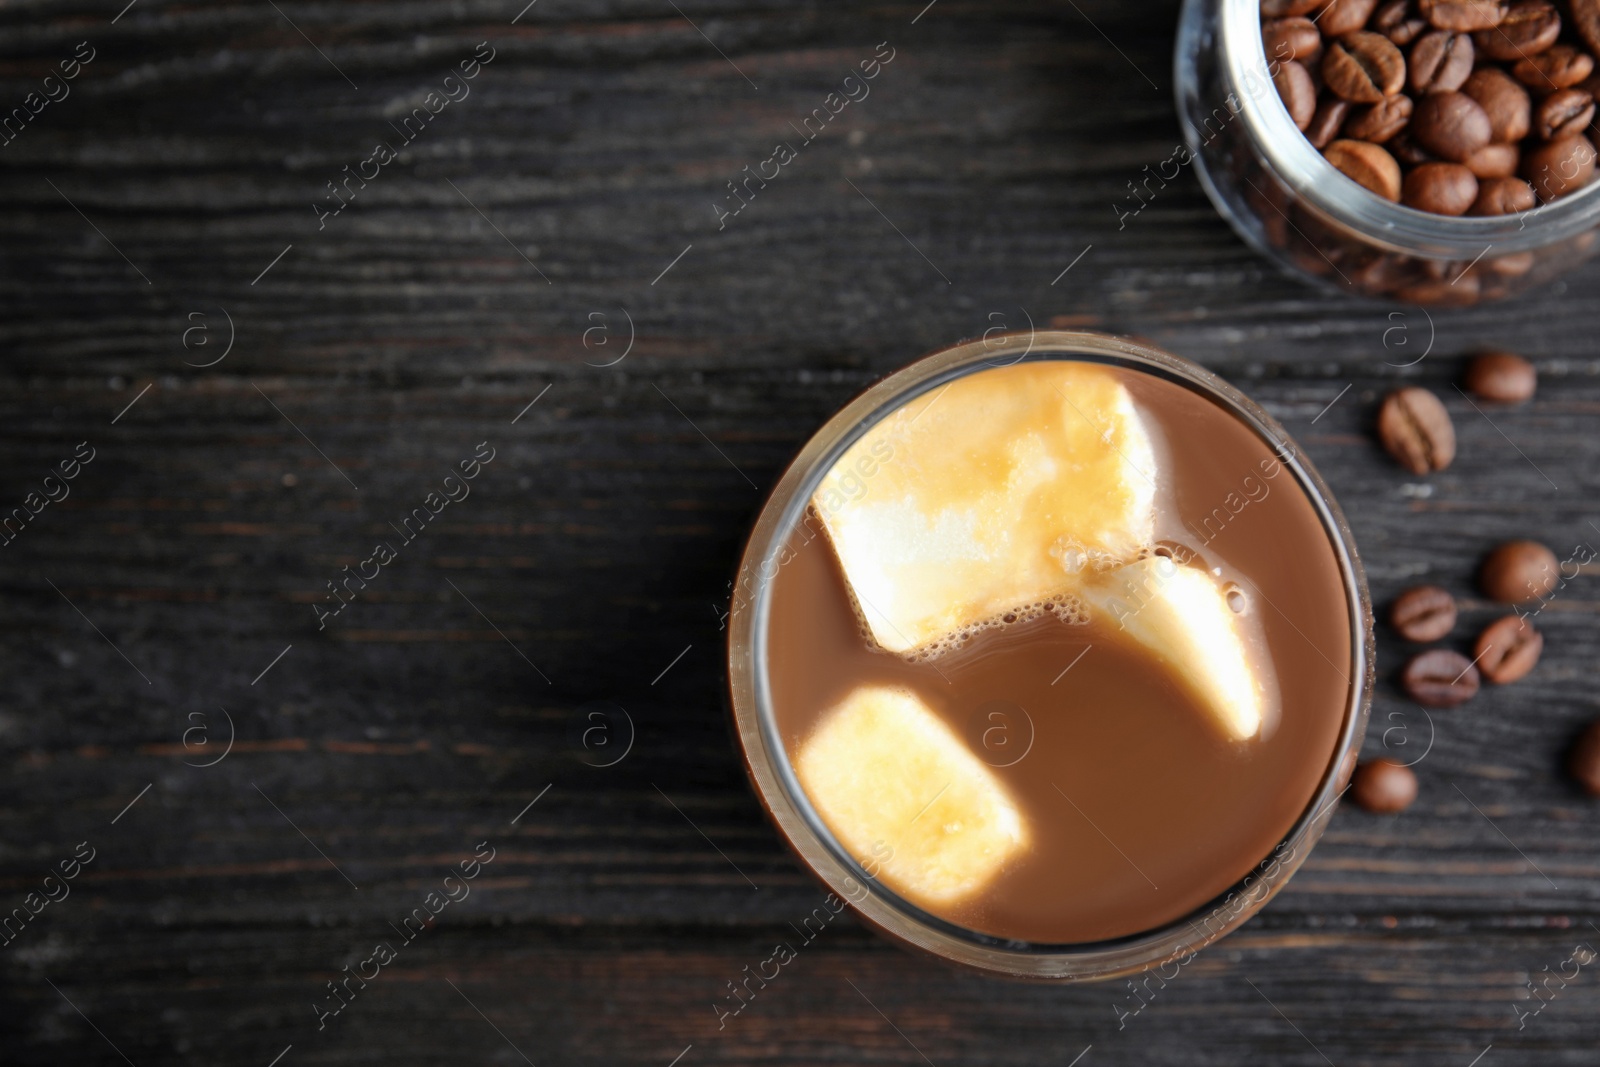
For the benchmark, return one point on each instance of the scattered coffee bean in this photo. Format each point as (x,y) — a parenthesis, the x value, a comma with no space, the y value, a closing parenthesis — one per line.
(1507,649)
(1555,68)
(1442,188)
(1325,124)
(1416,430)
(1297,91)
(1424,613)
(1293,38)
(1502,377)
(1563,113)
(1450,125)
(1463,15)
(1440,678)
(1559,167)
(1383,786)
(1367,164)
(1440,62)
(1504,100)
(1584,763)
(1519,571)
(1381,121)
(1530,27)
(1495,161)
(1277,9)
(1363,68)
(1345,16)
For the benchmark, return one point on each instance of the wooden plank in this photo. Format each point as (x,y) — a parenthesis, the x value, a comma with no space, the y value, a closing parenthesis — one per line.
(372,355)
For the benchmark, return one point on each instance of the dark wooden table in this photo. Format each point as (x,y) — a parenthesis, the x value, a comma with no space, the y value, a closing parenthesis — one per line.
(552,239)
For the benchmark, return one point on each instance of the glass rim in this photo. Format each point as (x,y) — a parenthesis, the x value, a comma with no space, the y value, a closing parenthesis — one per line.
(1301,168)
(770,770)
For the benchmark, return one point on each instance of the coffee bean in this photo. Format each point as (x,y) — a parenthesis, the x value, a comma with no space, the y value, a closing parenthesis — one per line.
(1503,196)
(1440,678)
(1519,571)
(1502,377)
(1345,16)
(1390,14)
(1504,100)
(1367,164)
(1326,122)
(1442,269)
(1511,265)
(1450,125)
(1495,161)
(1559,167)
(1463,291)
(1383,786)
(1555,68)
(1442,188)
(1457,140)
(1292,38)
(1563,113)
(1586,20)
(1363,68)
(1381,121)
(1463,16)
(1378,272)
(1507,649)
(1396,21)
(1297,91)
(1423,613)
(1530,27)
(1440,62)
(1405,148)
(1416,430)
(1407,31)
(1584,762)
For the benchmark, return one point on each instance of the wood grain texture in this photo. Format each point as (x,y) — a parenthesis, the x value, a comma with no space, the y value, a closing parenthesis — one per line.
(456,287)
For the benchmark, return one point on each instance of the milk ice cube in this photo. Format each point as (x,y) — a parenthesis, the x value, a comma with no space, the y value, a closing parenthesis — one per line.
(1182,615)
(988,495)
(899,790)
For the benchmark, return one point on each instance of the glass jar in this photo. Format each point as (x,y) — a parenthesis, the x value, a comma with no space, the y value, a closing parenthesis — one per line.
(768,764)
(1297,209)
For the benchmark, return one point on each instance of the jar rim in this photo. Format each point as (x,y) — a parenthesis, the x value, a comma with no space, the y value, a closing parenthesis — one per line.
(772,775)
(1286,151)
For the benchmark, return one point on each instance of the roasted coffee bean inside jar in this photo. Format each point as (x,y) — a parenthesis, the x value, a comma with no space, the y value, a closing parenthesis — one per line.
(1452,107)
